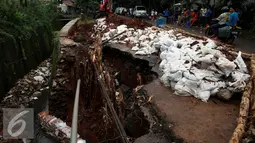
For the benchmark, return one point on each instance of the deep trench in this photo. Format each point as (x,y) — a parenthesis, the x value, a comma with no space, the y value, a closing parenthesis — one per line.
(93,125)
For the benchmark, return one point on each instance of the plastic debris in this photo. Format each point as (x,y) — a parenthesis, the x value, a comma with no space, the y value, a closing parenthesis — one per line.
(57,128)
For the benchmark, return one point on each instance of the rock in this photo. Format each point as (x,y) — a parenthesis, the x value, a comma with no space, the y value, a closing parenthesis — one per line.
(54,84)
(28,81)
(36,94)
(224,94)
(10,96)
(93,126)
(38,78)
(44,69)
(35,83)
(67,42)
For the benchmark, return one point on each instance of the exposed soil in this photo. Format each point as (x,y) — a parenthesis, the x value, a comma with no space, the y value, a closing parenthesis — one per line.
(134,23)
(132,72)
(91,125)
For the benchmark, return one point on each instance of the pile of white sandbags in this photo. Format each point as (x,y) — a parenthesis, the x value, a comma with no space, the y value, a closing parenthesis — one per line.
(200,70)
(190,66)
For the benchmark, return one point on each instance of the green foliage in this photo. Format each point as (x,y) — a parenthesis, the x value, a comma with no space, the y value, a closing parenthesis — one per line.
(21,21)
(87,4)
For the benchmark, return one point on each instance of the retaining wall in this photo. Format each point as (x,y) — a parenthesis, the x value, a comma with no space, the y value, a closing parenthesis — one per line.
(18,57)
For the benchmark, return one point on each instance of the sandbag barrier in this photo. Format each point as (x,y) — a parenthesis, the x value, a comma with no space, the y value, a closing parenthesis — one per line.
(246,118)
(245,104)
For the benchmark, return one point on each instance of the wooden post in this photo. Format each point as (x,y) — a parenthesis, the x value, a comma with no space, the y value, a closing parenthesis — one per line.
(244,107)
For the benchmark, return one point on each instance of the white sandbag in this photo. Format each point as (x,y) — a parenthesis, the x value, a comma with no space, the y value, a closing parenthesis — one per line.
(141,52)
(162,64)
(203,95)
(164,80)
(182,90)
(126,40)
(175,66)
(151,43)
(145,44)
(185,41)
(240,76)
(121,28)
(208,86)
(173,56)
(214,69)
(240,80)
(139,32)
(184,86)
(214,52)
(173,83)
(237,86)
(131,29)
(143,37)
(214,78)
(175,76)
(225,65)
(179,34)
(163,55)
(135,48)
(214,92)
(207,59)
(164,48)
(201,73)
(240,63)
(165,40)
(112,32)
(152,36)
(190,76)
(211,44)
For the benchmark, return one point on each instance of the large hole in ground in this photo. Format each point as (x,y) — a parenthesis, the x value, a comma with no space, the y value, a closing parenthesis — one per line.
(95,122)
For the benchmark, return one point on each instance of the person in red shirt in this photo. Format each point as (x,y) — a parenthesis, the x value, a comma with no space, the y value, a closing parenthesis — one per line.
(194,18)
(104,5)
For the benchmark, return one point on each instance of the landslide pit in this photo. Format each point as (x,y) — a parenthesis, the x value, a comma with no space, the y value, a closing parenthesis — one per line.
(140,118)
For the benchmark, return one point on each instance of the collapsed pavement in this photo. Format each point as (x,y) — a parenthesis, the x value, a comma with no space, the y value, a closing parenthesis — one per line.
(133,105)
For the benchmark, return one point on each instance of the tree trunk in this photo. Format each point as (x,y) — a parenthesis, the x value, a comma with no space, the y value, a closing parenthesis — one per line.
(25,3)
(245,107)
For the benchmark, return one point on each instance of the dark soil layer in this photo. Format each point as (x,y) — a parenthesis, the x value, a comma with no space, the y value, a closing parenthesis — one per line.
(131,72)
(75,65)
(134,23)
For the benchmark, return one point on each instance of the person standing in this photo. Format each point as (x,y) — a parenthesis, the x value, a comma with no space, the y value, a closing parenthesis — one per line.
(155,14)
(208,16)
(166,14)
(152,14)
(202,18)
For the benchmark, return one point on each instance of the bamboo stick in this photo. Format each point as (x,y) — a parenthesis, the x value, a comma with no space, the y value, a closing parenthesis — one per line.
(244,107)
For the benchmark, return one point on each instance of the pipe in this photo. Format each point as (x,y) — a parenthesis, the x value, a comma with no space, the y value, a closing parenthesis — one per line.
(106,41)
(75,113)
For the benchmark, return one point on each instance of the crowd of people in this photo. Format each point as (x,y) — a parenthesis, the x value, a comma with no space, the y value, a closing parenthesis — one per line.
(201,17)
